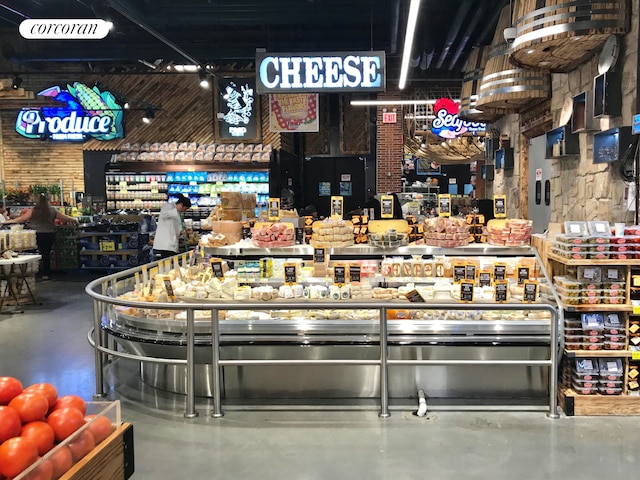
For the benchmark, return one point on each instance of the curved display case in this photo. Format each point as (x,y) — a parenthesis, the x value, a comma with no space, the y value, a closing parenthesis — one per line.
(477,352)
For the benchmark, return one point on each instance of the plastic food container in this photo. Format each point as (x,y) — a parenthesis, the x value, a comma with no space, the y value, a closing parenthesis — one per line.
(591,383)
(613,346)
(592,321)
(613,274)
(573,346)
(609,391)
(610,383)
(589,274)
(593,346)
(592,338)
(584,391)
(566,283)
(573,338)
(568,239)
(614,338)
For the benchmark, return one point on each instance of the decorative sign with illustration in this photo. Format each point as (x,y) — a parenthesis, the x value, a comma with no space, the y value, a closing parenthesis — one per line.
(447,124)
(293,112)
(386,206)
(237,110)
(274,209)
(337,207)
(444,205)
(87,113)
(500,206)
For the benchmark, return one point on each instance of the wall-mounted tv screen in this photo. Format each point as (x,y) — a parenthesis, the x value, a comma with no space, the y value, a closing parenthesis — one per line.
(427,167)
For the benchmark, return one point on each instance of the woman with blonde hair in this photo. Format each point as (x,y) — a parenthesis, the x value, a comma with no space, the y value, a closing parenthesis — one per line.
(42,219)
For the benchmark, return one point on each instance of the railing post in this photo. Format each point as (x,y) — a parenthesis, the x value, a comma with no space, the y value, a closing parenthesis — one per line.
(553,369)
(215,366)
(384,367)
(191,367)
(98,355)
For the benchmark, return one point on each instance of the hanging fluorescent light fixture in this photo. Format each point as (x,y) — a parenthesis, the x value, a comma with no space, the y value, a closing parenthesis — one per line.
(370,103)
(408,42)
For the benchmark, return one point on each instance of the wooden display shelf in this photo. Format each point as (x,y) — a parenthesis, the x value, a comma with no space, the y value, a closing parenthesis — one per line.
(597,353)
(591,261)
(113,459)
(598,307)
(574,404)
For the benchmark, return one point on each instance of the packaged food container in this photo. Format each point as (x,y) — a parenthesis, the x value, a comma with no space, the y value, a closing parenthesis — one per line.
(572,322)
(610,383)
(591,383)
(589,273)
(573,346)
(592,338)
(573,331)
(570,240)
(576,229)
(609,391)
(613,346)
(612,273)
(566,283)
(584,391)
(592,321)
(614,338)
(592,346)
(570,300)
(573,338)
(567,292)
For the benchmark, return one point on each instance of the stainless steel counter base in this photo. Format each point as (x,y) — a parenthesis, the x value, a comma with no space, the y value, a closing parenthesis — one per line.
(355,381)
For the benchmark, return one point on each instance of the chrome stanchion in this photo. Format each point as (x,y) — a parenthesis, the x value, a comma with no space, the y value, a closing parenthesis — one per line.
(191,366)
(553,369)
(215,365)
(98,355)
(384,367)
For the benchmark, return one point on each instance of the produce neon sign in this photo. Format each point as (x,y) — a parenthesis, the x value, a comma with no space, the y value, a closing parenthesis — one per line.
(87,113)
(447,124)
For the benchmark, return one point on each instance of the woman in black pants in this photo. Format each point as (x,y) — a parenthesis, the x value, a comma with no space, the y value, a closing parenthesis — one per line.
(42,219)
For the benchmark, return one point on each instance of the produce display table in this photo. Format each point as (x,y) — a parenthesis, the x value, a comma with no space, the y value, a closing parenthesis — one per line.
(17,280)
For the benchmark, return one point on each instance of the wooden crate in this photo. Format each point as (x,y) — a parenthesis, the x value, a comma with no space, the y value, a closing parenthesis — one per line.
(113,459)
(574,404)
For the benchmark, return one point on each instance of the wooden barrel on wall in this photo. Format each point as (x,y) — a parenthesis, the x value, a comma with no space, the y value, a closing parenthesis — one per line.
(559,35)
(471,86)
(504,87)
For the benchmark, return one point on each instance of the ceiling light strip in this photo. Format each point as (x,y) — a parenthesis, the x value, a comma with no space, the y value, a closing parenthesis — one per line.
(408,42)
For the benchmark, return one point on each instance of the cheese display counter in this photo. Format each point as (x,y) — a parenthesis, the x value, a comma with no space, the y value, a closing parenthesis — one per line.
(476,325)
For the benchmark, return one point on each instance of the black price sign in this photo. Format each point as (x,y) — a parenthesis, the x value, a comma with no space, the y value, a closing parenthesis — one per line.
(500,271)
(319,255)
(523,274)
(466,291)
(470,272)
(484,278)
(530,291)
(459,271)
(386,206)
(337,207)
(274,209)
(354,273)
(339,275)
(414,297)
(290,273)
(152,284)
(444,205)
(169,288)
(216,268)
(499,206)
(501,291)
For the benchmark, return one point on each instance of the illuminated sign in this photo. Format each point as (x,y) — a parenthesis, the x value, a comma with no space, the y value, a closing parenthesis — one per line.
(48,29)
(314,72)
(635,125)
(87,113)
(447,124)
(237,110)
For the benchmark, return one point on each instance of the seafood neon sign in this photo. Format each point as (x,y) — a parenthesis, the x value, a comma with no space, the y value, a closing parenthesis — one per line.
(447,124)
(87,113)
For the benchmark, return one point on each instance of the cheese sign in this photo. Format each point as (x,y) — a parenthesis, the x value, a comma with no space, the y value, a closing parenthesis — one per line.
(337,206)
(500,206)
(444,205)
(466,291)
(354,273)
(216,268)
(386,206)
(319,255)
(470,272)
(524,273)
(107,246)
(274,209)
(169,288)
(339,275)
(500,271)
(501,291)
(290,274)
(484,278)
(530,294)
(459,272)
(414,296)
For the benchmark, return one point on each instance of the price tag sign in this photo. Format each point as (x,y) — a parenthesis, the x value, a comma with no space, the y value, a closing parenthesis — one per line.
(485,278)
(635,355)
(169,288)
(145,274)
(636,310)
(524,273)
(137,277)
(337,207)
(216,268)
(290,274)
(501,291)
(274,209)
(152,284)
(386,206)
(354,273)
(414,297)
(107,246)
(339,275)
(466,291)
(319,255)
(500,271)
(530,291)
(444,205)
(500,206)
(459,272)
(470,271)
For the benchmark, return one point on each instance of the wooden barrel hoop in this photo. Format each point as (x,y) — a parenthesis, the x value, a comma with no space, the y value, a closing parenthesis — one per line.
(471,87)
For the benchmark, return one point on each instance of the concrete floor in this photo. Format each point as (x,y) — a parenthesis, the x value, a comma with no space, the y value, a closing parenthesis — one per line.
(49,343)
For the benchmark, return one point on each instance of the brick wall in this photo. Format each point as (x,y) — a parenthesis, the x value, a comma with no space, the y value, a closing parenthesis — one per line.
(389,147)
(38,162)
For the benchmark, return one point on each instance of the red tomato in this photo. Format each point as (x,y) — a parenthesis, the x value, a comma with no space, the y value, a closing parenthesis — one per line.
(9,423)
(16,454)
(65,421)
(45,389)
(100,428)
(81,445)
(41,434)
(44,471)
(9,388)
(62,461)
(30,406)
(71,401)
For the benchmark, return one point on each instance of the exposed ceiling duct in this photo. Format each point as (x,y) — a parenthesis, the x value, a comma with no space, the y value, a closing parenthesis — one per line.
(453,31)
(475,19)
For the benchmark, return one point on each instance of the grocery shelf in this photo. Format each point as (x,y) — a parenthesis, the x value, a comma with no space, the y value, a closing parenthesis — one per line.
(575,404)
(591,261)
(151,167)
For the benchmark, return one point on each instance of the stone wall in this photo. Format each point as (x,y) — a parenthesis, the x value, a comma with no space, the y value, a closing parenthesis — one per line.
(507,182)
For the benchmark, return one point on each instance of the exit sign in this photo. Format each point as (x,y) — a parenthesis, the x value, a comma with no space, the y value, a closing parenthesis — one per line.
(389,117)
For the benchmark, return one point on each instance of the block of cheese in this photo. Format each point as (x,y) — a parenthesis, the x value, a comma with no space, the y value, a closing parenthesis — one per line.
(332,233)
(277,234)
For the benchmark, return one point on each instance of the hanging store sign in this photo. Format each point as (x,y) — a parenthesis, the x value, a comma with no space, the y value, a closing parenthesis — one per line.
(87,113)
(293,112)
(447,124)
(79,29)
(320,72)
(237,110)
